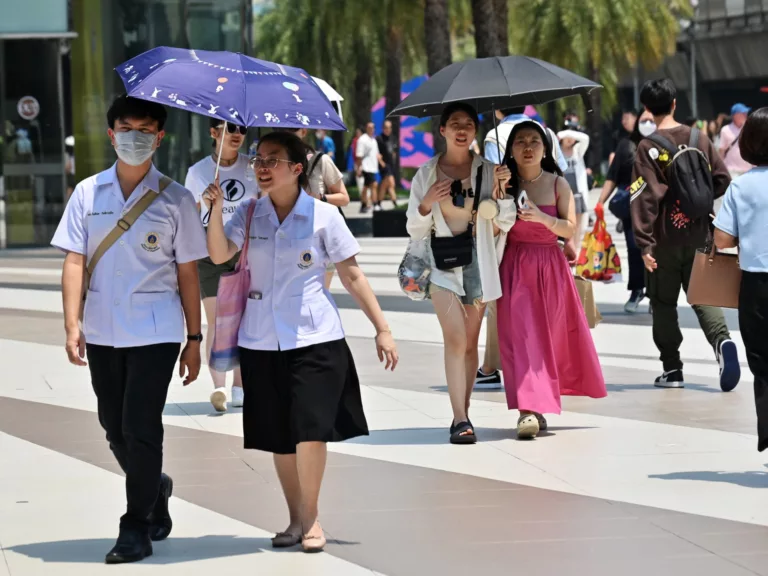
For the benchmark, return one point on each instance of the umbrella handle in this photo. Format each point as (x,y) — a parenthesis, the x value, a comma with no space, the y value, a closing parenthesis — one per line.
(221,150)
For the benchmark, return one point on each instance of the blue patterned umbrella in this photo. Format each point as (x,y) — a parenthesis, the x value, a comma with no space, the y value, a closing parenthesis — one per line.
(231,87)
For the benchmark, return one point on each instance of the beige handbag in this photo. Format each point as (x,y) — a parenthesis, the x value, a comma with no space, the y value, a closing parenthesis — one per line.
(715,280)
(587,297)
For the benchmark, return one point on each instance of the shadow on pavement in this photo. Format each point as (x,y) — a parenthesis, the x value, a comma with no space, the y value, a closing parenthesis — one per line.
(752,479)
(172,551)
(200,409)
(436,436)
(634,387)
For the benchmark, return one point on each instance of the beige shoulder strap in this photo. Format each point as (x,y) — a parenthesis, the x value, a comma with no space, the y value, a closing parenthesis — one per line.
(125,223)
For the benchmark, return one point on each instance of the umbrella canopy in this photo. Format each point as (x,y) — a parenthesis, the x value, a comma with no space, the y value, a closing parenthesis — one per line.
(335,98)
(494,83)
(231,87)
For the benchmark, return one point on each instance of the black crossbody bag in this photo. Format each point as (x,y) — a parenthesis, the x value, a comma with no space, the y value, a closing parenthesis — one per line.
(452,252)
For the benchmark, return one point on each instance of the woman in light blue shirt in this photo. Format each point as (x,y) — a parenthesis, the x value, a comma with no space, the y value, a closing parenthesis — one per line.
(743,222)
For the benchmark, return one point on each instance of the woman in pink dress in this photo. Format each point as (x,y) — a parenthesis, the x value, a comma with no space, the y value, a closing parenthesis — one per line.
(546,346)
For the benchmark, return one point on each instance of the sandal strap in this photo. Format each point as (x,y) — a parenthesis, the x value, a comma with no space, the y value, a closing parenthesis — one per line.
(460,427)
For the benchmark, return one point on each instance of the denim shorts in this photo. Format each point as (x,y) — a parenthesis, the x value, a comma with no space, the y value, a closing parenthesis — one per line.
(473,289)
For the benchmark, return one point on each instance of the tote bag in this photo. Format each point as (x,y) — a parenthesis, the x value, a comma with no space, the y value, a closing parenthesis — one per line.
(598,259)
(230,307)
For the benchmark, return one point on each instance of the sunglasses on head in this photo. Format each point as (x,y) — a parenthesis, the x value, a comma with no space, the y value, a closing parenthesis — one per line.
(234,129)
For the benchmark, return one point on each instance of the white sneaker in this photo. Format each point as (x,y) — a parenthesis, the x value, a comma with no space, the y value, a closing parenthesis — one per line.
(238,397)
(219,399)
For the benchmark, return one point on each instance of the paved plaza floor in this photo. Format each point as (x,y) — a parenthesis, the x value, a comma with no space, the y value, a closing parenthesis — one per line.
(646,481)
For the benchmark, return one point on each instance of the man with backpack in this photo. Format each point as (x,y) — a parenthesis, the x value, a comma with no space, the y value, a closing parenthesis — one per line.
(677,176)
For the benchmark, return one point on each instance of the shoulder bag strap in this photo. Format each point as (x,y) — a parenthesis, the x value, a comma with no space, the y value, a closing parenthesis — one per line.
(660,140)
(243,260)
(693,142)
(315,160)
(478,191)
(124,224)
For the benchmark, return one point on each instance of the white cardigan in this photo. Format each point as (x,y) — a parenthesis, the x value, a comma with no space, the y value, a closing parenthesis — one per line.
(489,250)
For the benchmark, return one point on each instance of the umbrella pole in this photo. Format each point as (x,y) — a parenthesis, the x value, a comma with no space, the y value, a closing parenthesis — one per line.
(498,144)
(221,150)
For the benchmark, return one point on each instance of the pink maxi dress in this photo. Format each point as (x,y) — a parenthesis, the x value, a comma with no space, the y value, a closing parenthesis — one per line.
(546,346)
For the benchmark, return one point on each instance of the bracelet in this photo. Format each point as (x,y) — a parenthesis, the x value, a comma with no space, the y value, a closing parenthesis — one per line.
(380,332)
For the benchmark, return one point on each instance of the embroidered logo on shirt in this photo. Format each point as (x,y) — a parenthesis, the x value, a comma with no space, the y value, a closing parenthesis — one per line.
(306,260)
(151,241)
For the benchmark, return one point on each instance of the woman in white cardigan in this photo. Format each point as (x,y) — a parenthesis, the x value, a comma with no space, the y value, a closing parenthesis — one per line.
(442,198)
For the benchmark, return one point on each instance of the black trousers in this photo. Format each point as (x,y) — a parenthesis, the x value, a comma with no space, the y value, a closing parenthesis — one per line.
(663,288)
(753,313)
(131,386)
(635,259)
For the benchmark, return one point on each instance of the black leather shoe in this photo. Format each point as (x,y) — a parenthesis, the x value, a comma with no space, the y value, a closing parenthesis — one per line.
(132,546)
(161,523)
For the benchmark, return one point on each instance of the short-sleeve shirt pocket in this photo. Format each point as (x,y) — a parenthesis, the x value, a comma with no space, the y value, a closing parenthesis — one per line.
(154,240)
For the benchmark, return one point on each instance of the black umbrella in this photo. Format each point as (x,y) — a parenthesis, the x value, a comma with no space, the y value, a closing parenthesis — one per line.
(495,83)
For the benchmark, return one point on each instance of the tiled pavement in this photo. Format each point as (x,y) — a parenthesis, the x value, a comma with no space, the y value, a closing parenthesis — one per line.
(645,481)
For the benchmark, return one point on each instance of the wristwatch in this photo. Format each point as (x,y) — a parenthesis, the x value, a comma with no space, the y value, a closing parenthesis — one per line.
(323,198)
(195,337)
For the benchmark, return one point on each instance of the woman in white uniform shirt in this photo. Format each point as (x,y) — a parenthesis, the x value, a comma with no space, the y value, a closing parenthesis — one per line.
(301,387)
(326,183)
(239,185)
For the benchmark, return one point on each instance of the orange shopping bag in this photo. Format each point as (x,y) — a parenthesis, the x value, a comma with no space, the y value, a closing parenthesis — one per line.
(598,259)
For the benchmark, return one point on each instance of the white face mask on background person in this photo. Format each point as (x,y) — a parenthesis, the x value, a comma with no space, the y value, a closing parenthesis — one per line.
(647,128)
(134,147)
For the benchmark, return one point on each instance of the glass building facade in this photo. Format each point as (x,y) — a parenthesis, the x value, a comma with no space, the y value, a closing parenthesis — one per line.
(113,31)
(34,36)
(57,80)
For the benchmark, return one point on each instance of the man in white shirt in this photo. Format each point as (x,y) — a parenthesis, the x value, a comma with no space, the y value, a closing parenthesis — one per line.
(729,142)
(367,159)
(138,235)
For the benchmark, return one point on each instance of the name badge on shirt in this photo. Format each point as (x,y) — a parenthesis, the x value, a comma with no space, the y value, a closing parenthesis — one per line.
(306,260)
(151,242)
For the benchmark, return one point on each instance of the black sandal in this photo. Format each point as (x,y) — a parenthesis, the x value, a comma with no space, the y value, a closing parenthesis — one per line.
(460,435)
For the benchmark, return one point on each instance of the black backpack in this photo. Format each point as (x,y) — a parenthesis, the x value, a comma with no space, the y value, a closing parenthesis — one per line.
(689,176)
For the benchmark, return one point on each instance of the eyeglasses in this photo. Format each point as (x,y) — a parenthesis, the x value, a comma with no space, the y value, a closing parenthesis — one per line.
(234,128)
(269,162)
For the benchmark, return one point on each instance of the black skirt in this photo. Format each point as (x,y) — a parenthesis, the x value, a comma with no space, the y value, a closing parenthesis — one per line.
(309,394)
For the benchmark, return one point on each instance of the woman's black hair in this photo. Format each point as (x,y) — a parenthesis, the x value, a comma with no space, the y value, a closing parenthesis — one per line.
(308,146)
(753,140)
(451,109)
(294,148)
(548,162)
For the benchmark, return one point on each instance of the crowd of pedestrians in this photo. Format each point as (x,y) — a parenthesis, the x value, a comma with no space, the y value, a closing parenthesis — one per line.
(142,252)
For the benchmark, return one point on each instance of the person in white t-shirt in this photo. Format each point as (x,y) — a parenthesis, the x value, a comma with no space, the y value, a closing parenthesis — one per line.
(367,159)
(238,182)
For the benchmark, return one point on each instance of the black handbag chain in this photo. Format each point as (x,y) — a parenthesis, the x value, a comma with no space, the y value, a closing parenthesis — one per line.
(451,252)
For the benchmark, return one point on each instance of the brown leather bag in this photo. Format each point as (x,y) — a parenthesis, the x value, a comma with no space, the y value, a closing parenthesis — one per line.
(715,279)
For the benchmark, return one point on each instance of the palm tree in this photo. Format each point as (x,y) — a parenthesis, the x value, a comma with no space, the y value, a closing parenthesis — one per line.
(437,41)
(601,39)
(501,10)
(486,37)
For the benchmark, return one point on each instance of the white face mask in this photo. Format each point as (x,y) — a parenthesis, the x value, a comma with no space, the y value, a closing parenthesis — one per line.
(134,147)
(647,127)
